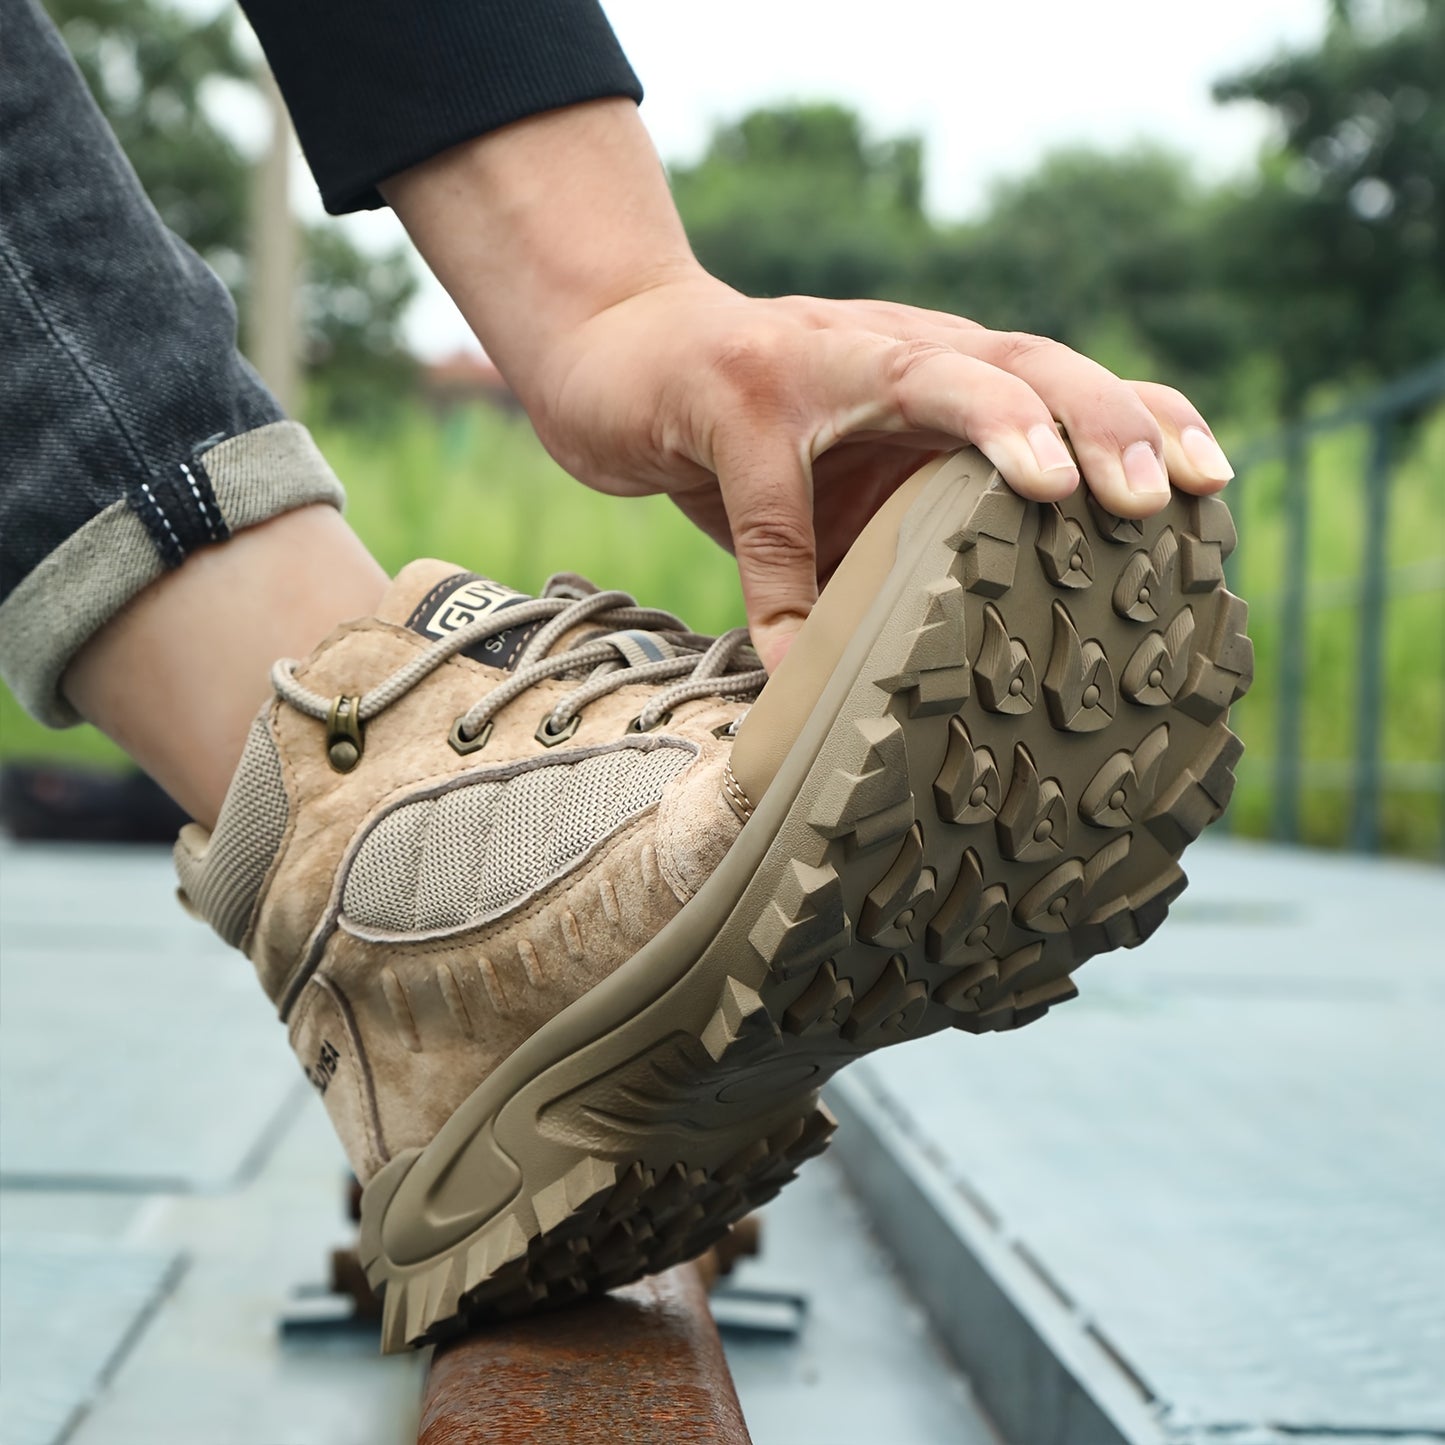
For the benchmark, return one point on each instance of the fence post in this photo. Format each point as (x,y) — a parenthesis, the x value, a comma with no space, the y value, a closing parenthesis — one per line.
(1370,663)
(1289,738)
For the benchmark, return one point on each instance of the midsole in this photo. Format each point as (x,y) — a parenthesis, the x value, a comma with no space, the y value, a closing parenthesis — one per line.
(425,1217)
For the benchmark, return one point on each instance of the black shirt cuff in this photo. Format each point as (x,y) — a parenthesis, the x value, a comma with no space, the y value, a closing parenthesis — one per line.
(376,86)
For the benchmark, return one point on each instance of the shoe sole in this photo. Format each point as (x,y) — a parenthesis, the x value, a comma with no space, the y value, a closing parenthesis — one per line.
(995,785)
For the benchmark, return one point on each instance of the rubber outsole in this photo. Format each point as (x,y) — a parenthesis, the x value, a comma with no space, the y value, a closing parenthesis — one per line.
(1001,788)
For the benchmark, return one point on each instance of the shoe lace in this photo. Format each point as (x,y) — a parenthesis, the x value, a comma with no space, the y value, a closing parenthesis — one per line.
(695,665)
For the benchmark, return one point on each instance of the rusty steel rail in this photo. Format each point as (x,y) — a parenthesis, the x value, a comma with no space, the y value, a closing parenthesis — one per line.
(643,1365)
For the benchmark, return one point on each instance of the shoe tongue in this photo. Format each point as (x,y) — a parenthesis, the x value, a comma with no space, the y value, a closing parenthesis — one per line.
(436,599)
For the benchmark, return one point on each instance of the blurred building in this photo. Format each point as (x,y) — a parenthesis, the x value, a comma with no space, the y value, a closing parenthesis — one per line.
(464,378)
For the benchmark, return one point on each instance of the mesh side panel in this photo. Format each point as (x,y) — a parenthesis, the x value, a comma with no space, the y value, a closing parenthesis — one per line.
(517,859)
(584,814)
(224,881)
(453,854)
(382,883)
(643,786)
(451,861)
(607,790)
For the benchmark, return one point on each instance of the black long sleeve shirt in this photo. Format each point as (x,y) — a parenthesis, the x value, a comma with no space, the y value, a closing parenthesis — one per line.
(376,86)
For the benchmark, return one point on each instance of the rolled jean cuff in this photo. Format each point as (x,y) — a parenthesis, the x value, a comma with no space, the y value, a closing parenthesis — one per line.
(75,590)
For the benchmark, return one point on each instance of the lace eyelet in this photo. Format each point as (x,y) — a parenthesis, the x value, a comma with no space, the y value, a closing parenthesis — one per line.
(727,729)
(463,744)
(635,726)
(549,738)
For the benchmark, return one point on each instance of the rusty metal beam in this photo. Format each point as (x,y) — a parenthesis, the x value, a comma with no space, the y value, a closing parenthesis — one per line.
(642,1365)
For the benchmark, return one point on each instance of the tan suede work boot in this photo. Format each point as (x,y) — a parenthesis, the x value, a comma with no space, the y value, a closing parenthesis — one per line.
(569,917)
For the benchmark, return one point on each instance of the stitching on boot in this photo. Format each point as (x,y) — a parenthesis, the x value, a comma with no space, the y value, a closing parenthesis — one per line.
(738,800)
(733,791)
(365,1085)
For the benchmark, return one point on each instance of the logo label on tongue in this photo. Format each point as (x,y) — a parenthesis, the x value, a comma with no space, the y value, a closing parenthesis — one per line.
(464,599)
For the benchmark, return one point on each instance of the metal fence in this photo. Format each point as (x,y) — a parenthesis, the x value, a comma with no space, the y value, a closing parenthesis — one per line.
(1386,414)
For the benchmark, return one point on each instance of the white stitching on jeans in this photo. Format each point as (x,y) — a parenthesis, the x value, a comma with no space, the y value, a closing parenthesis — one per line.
(165,520)
(200,502)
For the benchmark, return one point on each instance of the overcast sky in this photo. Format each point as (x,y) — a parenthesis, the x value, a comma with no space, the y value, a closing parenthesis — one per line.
(991,86)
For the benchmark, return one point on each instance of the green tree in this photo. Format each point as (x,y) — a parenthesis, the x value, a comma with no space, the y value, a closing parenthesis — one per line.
(1107,253)
(1338,246)
(149,67)
(796,199)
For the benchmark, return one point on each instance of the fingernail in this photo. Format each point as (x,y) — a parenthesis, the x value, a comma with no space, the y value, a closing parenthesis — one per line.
(1049,450)
(1206,454)
(1143,470)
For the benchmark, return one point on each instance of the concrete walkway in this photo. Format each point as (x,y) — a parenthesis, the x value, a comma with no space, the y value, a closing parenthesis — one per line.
(1216,1180)
(168,1181)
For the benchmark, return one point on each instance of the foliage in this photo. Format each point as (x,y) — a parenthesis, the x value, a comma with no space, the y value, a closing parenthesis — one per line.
(1109,253)
(352,302)
(1328,262)
(796,199)
(480,490)
(1338,246)
(153,69)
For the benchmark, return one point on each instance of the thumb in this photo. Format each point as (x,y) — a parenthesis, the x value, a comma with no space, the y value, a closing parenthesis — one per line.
(767,489)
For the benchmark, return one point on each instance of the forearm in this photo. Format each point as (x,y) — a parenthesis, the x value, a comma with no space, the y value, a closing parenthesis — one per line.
(537,228)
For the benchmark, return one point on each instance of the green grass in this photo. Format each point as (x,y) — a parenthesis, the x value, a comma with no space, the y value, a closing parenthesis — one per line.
(476,488)
(1413,668)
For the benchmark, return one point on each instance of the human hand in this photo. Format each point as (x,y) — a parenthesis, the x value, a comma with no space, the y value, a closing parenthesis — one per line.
(778,426)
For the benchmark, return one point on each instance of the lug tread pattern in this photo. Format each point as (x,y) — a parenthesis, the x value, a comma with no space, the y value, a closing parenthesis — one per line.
(599,1226)
(950,863)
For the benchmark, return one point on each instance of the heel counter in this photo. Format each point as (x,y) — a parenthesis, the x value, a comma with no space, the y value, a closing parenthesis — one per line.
(223,873)
(328,1046)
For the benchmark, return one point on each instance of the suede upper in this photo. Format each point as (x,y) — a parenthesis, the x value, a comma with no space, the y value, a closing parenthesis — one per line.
(424,913)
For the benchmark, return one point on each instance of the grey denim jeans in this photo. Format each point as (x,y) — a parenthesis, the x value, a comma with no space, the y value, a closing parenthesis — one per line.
(131,429)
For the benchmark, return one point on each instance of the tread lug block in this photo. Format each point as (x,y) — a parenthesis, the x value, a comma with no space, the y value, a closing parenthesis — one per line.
(633,1184)
(962,992)
(1064,552)
(674,1190)
(1024,968)
(1050,904)
(1033,824)
(1160,664)
(780,1142)
(1220,675)
(1146,584)
(576,1197)
(972,921)
(1209,540)
(745,1162)
(1127,922)
(804,922)
(997,1001)
(1079,684)
(818,1129)
(1198,795)
(890,1010)
(968,788)
(1033,1005)
(1118,792)
(1121,530)
(935,675)
(890,912)
(988,544)
(740,1024)
(869,795)
(822,1006)
(1004,670)
(1150,906)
